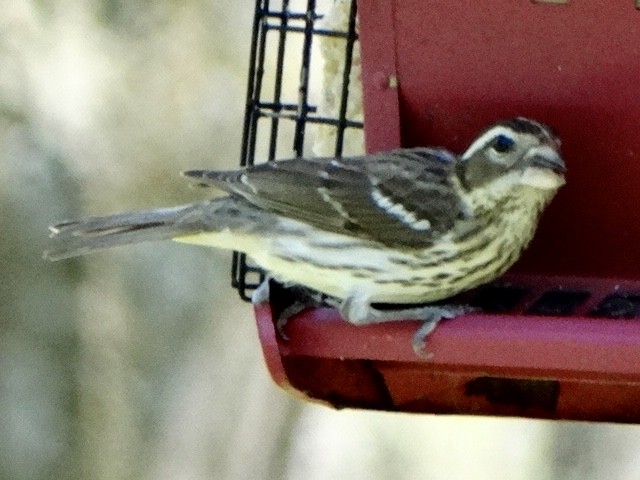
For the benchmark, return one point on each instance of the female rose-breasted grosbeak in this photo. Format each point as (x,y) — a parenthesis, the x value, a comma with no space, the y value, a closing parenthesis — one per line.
(407,226)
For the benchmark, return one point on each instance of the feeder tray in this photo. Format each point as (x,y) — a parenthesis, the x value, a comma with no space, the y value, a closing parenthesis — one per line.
(559,336)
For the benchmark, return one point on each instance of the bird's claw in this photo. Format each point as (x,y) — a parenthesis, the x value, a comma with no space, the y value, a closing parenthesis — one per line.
(419,339)
(444,312)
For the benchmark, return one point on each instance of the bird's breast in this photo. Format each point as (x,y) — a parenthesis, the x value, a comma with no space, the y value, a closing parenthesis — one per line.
(476,251)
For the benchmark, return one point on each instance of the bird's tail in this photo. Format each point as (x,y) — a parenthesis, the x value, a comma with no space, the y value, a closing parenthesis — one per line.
(75,238)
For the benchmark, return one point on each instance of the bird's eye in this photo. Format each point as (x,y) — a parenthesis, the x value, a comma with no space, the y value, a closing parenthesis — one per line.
(503,144)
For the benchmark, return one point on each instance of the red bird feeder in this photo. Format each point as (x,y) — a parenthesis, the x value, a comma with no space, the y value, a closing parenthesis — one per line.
(560,336)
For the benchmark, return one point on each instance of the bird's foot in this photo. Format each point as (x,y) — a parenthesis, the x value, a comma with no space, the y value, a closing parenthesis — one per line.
(288,300)
(363,313)
(432,315)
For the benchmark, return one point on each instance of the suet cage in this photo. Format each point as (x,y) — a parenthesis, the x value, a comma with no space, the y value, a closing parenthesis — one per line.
(286,104)
(559,336)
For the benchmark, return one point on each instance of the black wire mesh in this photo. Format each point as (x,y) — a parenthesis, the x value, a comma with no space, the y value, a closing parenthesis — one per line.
(278,27)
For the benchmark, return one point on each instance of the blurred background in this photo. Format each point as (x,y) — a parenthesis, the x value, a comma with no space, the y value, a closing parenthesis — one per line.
(142,362)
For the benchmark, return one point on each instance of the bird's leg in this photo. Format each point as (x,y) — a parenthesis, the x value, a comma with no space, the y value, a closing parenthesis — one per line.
(357,310)
(287,300)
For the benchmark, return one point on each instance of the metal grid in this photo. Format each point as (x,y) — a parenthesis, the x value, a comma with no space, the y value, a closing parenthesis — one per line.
(278,27)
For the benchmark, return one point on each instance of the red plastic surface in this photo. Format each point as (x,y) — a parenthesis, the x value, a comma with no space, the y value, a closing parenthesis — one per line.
(437,73)
(575,367)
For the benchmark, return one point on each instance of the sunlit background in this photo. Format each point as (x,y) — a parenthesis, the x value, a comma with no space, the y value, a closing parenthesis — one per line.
(142,363)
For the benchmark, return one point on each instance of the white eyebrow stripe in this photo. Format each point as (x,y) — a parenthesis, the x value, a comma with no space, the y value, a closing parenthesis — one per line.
(399,211)
(484,139)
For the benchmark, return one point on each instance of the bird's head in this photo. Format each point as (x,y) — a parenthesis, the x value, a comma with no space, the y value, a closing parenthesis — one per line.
(525,150)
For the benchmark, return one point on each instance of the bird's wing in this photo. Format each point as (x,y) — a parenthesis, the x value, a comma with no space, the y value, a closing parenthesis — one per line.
(404,197)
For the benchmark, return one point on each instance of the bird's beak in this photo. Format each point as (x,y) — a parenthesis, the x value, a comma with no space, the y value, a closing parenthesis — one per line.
(546,157)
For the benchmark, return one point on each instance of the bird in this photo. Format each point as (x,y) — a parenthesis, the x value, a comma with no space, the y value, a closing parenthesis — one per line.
(410,227)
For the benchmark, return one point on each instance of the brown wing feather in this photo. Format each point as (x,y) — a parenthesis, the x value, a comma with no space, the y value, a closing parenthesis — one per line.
(403,197)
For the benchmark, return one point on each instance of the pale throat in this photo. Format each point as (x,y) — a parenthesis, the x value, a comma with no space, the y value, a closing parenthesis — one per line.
(531,189)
